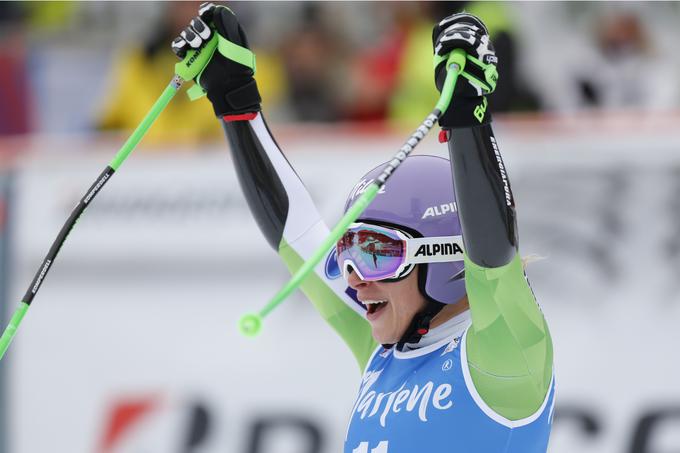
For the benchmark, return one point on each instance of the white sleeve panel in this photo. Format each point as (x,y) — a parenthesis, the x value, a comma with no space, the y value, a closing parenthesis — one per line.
(304,229)
(302,213)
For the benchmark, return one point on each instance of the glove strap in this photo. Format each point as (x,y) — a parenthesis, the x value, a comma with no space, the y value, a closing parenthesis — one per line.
(488,85)
(196,92)
(485,89)
(438,59)
(490,72)
(235,52)
(228,50)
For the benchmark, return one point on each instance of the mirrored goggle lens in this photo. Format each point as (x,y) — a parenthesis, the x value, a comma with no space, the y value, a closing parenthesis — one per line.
(375,253)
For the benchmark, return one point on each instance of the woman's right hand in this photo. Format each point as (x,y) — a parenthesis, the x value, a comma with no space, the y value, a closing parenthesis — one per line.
(228,76)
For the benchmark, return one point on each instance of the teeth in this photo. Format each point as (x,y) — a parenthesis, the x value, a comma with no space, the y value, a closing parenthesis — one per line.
(371,302)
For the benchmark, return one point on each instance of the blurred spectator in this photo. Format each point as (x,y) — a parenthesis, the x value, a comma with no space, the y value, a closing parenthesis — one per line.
(625,70)
(309,55)
(141,74)
(374,71)
(415,94)
(326,61)
(604,55)
(50,16)
(512,94)
(14,88)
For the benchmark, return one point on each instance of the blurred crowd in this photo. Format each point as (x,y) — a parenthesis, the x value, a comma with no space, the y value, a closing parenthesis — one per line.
(83,67)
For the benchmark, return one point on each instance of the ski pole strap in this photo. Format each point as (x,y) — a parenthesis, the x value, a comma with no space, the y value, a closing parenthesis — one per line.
(229,50)
(460,59)
(488,85)
(236,53)
(490,74)
(196,92)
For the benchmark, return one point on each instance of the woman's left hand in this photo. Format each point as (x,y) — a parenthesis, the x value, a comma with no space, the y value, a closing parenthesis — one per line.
(467,32)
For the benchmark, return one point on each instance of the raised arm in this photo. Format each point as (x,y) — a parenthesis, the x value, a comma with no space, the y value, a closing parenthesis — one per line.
(293,227)
(509,349)
(275,194)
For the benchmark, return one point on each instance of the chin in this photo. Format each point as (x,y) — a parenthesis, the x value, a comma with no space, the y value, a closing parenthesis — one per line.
(379,337)
(384,338)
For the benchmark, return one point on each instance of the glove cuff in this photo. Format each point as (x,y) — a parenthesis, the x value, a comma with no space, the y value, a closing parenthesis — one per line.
(466,112)
(244,99)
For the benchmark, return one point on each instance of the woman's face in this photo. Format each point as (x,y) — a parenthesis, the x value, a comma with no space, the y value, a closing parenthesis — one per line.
(391,305)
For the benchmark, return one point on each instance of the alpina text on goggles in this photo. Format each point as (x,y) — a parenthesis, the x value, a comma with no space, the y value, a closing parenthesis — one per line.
(379,253)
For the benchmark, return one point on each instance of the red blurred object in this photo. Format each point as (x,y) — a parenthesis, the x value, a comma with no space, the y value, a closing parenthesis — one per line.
(14,89)
(376,72)
(122,417)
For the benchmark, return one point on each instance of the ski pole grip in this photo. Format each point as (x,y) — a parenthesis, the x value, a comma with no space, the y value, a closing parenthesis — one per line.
(196,59)
(455,64)
(456,57)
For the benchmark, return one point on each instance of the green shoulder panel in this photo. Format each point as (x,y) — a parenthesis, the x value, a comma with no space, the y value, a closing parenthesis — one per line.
(351,326)
(509,348)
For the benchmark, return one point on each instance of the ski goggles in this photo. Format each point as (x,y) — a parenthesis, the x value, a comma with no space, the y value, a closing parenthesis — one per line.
(379,253)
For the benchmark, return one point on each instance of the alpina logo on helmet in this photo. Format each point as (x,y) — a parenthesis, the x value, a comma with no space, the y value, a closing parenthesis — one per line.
(438,249)
(435,211)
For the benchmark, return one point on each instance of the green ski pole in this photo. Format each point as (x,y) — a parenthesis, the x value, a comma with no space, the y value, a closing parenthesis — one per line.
(251,323)
(94,189)
(187,69)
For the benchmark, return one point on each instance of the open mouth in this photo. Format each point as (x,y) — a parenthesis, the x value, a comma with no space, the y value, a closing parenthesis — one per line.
(375,306)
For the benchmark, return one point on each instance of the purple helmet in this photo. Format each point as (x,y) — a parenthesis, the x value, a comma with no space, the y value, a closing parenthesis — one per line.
(419,199)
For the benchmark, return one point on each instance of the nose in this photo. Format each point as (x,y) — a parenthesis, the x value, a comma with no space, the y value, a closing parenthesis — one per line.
(354,281)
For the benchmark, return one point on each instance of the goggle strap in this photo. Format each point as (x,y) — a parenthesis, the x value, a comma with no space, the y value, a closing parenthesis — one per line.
(438,249)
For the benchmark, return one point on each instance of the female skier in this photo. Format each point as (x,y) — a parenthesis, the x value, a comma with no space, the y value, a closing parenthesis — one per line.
(456,354)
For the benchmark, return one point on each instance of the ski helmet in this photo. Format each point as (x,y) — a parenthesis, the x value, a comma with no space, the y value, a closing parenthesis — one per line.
(419,199)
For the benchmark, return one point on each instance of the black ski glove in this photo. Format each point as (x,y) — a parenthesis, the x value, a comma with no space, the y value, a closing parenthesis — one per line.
(469,105)
(227,78)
